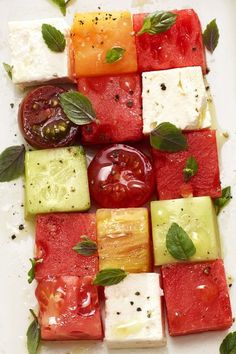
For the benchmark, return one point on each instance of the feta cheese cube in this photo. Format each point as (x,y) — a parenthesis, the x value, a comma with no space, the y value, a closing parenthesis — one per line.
(177,96)
(133,313)
(33,62)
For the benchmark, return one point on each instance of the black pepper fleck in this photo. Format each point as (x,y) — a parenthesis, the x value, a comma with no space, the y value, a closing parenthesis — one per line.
(137,293)
(139,309)
(130,104)
(163,87)
(117,97)
(12,105)
(131,303)
(13,237)
(118,313)
(21,227)
(194,49)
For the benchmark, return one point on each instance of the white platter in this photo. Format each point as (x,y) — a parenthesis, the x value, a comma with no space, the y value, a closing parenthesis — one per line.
(16,295)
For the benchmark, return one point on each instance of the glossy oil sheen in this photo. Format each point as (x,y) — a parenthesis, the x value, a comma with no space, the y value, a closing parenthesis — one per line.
(14,259)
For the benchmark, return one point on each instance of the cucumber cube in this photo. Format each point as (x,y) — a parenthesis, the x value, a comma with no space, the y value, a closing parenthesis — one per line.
(196,216)
(56,181)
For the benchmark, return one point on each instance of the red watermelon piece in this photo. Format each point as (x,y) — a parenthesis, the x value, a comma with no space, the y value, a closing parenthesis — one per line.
(117,103)
(68,308)
(56,235)
(178,47)
(169,168)
(196,297)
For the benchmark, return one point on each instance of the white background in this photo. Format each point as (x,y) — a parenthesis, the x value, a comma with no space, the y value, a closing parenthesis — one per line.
(16,295)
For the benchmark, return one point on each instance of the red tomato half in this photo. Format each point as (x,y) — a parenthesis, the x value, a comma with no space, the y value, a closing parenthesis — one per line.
(42,120)
(121,177)
(68,308)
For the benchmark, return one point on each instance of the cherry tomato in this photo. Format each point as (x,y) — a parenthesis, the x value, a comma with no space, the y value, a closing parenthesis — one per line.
(42,120)
(120,177)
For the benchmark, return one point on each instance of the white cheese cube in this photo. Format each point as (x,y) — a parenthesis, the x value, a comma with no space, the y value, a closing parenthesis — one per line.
(133,313)
(177,96)
(33,62)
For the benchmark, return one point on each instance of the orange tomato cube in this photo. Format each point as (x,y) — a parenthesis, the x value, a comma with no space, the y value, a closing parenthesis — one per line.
(123,239)
(93,35)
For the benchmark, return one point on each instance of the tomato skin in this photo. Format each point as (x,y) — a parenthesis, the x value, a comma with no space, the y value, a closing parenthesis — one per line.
(39,113)
(68,308)
(121,176)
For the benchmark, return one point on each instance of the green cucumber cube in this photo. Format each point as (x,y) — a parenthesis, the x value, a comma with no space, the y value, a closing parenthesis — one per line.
(56,181)
(196,216)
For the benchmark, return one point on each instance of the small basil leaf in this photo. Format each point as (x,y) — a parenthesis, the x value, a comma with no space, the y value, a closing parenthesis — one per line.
(77,107)
(167,137)
(190,169)
(54,38)
(108,277)
(8,68)
(31,272)
(211,36)
(225,198)
(178,243)
(114,54)
(158,22)
(12,163)
(86,247)
(33,335)
(62,4)
(228,346)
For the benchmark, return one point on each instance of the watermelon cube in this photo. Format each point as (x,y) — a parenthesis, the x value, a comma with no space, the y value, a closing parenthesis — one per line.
(196,297)
(180,46)
(196,216)
(93,35)
(117,103)
(56,235)
(68,308)
(169,168)
(123,239)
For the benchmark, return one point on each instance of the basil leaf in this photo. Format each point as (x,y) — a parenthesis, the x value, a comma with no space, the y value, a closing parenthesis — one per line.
(211,36)
(109,277)
(178,243)
(62,4)
(8,68)
(77,107)
(225,198)
(12,163)
(190,169)
(87,247)
(54,38)
(31,272)
(167,137)
(114,54)
(158,22)
(33,335)
(228,346)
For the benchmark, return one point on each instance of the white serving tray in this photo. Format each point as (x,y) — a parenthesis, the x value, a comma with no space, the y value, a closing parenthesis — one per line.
(16,295)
